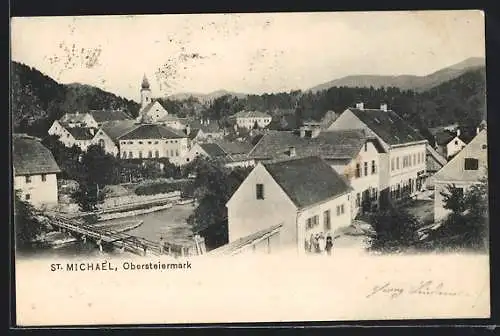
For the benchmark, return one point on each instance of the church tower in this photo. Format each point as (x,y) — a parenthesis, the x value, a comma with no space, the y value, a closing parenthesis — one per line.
(145,92)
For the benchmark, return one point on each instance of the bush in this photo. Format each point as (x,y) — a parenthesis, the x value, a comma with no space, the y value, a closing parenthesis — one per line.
(160,188)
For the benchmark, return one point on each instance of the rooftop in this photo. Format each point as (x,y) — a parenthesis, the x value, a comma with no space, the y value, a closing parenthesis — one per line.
(389,126)
(308,180)
(151,131)
(30,157)
(213,150)
(115,129)
(104,115)
(81,133)
(251,114)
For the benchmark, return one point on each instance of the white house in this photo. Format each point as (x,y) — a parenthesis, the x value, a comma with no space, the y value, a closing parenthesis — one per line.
(34,171)
(468,167)
(403,167)
(71,136)
(352,153)
(154,141)
(248,119)
(93,118)
(449,143)
(286,202)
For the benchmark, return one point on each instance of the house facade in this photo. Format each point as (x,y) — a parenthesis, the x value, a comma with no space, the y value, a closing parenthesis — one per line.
(35,171)
(403,166)
(148,141)
(352,153)
(301,197)
(467,168)
(73,135)
(108,135)
(248,119)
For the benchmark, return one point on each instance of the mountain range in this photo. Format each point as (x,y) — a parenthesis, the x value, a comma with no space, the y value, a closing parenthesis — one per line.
(405,82)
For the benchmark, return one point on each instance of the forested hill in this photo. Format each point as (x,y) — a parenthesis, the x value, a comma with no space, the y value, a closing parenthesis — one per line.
(38,100)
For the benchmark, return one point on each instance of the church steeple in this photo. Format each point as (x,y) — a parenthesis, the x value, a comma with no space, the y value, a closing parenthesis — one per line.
(145,92)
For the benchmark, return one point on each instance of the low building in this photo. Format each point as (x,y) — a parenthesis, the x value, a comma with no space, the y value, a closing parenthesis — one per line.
(352,153)
(449,143)
(248,119)
(35,171)
(147,141)
(230,154)
(298,197)
(173,122)
(467,168)
(434,163)
(93,118)
(205,130)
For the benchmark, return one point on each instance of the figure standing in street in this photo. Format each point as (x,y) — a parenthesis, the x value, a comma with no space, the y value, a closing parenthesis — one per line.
(329,244)
(161,245)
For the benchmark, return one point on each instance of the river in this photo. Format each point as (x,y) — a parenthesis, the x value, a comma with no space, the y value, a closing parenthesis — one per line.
(169,224)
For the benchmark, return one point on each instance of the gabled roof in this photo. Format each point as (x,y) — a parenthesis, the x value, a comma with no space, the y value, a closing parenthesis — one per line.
(152,131)
(454,170)
(251,114)
(213,150)
(444,137)
(434,160)
(389,126)
(104,115)
(30,157)
(81,133)
(308,180)
(115,129)
(207,127)
(194,133)
(338,144)
(148,107)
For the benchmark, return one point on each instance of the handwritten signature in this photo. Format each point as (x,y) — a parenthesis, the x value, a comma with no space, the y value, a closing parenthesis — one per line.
(427,287)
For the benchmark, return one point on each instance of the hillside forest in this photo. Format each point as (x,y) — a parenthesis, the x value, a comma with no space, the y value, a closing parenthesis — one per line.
(38,100)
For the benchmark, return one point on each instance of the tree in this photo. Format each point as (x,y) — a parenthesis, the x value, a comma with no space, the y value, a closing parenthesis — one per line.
(87,196)
(213,186)
(26,225)
(395,230)
(453,199)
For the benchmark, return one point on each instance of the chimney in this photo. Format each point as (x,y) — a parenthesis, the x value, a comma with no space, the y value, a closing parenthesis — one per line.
(188,130)
(292,151)
(92,131)
(477,130)
(383,107)
(302,132)
(360,106)
(458,132)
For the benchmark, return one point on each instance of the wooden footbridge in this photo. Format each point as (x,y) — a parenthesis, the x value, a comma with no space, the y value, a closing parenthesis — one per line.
(102,236)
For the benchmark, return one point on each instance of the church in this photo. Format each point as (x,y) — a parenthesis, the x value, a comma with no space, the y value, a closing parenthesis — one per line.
(152,111)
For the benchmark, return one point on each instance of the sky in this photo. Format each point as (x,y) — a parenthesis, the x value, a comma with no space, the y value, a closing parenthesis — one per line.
(248,53)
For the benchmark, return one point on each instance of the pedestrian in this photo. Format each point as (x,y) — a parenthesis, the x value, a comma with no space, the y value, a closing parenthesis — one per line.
(311,243)
(322,243)
(161,245)
(329,244)
(316,243)
(145,249)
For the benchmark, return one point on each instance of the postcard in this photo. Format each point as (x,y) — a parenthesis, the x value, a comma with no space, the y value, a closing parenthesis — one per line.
(258,167)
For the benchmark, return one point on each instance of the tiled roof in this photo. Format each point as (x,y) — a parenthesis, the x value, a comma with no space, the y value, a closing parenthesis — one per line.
(81,133)
(194,133)
(308,180)
(443,137)
(115,129)
(434,161)
(239,244)
(235,147)
(30,157)
(101,116)
(213,150)
(454,170)
(328,144)
(152,131)
(251,114)
(388,126)
(211,127)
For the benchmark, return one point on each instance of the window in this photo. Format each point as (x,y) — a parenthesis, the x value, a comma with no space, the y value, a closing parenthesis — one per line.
(342,209)
(484,146)
(157,154)
(101,143)
(140,142)
(338,210)
(414,159)
(358,170)
(130,155)
(392,164)
(171,152)
(471,164)
(259,191)
(140,154)
(366,168)
(176,152)
(358,199)
(456,142)
(150,154)
(312,222)
(130,142)
(366,146)
(326,220)
(156,142)
(397,163)
(28,179)
(149,142)
(27,197)
(44,177)
(124,155)
(374,168)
